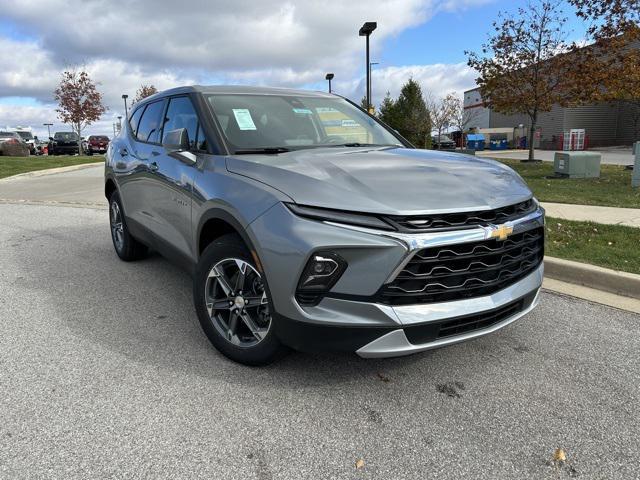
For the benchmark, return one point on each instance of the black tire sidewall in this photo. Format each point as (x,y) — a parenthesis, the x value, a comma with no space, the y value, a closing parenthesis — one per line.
(265,352)
(131,248)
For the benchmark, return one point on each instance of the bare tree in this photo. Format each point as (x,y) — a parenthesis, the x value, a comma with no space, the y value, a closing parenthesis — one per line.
(441,111)
(79,102)
(461,117)
(523,69)
(145,91)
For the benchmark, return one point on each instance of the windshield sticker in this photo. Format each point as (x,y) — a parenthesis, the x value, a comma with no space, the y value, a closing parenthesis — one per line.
(243,118)
(302,111)
(350,123)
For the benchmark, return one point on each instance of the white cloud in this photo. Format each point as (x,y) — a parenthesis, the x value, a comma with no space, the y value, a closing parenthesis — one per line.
(437,79)
(123,44)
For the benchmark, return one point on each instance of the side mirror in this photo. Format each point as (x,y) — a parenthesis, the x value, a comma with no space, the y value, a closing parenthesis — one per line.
(177,140)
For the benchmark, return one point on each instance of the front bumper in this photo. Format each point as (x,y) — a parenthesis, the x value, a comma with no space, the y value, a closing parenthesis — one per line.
(342,321)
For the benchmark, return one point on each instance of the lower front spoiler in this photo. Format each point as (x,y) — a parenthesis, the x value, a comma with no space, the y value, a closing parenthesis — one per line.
(396,343)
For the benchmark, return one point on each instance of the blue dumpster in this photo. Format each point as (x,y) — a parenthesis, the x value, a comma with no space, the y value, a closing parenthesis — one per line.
(475,141)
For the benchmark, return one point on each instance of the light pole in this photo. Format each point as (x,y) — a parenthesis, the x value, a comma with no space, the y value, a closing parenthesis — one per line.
(365,31)
(124,97)
(329,77)
(371,64)
(48,125)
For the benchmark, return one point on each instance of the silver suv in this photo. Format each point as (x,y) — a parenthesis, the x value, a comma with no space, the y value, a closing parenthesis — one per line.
(309,224)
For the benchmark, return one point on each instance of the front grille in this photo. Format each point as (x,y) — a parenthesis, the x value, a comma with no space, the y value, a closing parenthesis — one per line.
(463,219)
(465,270)
(429,332)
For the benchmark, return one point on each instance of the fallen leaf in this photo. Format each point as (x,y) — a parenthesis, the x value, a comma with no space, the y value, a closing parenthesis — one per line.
(559,455)
(383,378)
(359,464)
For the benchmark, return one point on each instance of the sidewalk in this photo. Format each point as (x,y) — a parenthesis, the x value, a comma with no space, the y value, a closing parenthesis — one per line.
(610,155)
(629,217)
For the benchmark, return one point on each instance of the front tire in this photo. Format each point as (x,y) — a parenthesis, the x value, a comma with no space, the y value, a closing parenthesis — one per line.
(233,305)
(127,247)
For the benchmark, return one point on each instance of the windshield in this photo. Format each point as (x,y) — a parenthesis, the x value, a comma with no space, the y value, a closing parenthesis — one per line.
(26,135)
(66,136)
(443,138)
(290,122)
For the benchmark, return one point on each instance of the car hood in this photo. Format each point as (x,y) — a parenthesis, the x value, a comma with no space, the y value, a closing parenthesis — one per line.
(393,180)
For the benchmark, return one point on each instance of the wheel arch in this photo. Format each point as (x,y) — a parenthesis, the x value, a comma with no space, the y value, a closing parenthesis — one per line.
(109,187)
(217,222)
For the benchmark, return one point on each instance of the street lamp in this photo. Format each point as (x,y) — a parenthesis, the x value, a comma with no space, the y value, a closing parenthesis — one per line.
(365,31)
(124,97)
(48,125)
(371,64)
(329,77)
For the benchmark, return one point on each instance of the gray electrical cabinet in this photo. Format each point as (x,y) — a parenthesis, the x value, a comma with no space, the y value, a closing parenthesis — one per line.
(577,164)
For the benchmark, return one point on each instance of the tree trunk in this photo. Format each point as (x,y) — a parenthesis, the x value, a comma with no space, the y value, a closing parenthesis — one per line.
(532,129)
(79,140)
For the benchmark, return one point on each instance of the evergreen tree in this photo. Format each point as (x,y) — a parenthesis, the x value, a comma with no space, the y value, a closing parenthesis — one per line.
(411,117)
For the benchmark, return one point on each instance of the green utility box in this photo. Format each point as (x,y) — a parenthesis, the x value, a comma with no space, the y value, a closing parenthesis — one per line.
(577,164)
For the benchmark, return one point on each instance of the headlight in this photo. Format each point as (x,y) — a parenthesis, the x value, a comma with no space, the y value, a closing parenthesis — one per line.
(338,216)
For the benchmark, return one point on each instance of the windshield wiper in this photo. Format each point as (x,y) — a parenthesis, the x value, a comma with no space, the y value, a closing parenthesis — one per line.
(265,150)
(356,144)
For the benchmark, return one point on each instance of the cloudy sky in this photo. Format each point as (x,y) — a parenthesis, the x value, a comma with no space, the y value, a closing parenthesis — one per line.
(123,44)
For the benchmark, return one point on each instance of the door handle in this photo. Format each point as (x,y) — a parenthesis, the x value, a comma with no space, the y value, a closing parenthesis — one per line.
(153,166)
(123,152)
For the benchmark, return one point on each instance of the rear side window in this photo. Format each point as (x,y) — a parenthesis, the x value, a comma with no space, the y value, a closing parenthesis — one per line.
(181,114)
(150,123)
(134,119)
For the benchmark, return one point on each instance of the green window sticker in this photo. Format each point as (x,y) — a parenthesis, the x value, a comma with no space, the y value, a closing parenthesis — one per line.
(243,119)
(302,111)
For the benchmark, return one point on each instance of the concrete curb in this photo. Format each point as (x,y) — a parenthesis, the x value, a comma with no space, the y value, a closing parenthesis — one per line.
(51,171)
(613,281)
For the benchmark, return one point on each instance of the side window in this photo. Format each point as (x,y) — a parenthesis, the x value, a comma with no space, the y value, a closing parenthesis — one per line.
(149,127)
(201,140)
(181,114)
(134,119)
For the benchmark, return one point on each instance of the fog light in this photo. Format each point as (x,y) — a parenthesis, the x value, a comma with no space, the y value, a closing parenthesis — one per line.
(321,273)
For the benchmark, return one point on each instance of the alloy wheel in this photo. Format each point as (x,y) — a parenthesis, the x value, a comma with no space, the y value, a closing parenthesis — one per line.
(117,228)
(237,303)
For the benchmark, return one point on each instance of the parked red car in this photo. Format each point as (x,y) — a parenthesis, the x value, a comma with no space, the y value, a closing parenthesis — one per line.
(97,144)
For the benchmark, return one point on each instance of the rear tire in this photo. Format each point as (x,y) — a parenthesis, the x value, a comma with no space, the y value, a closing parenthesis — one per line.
(127,247)
(240,325)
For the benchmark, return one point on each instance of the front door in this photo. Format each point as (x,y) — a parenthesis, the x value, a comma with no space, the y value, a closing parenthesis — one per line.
(174,173)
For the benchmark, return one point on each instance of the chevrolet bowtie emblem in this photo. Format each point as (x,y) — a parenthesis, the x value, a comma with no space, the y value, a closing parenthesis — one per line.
(501,232)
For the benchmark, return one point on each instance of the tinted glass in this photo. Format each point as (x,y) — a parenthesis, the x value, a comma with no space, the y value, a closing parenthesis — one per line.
(201,141)
(66,136)
(6,135)
(149,127)
(294,122)
(181,114)
(26,135)
(134,119)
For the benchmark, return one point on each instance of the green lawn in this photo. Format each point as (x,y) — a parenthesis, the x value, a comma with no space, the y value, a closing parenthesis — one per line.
(15,165)
(612,189)
(609,246)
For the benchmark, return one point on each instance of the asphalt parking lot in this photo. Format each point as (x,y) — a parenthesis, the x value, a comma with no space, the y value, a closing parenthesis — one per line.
(105,373)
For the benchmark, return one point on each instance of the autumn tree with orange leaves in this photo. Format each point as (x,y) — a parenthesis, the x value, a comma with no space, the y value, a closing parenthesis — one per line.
(145,91)
(522,67)
(79,102)
(614,65)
